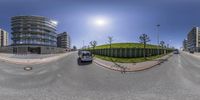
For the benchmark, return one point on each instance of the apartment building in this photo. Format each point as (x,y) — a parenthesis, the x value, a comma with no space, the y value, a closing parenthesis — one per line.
(64,41)
(193,39)
(185,45)
(3,38)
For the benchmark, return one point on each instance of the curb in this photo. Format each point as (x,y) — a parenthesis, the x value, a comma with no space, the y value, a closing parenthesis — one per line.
(136,69)
(192,55)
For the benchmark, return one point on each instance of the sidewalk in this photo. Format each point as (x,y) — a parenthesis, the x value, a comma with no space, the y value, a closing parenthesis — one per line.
(131,67)
(31,58)
(196,55)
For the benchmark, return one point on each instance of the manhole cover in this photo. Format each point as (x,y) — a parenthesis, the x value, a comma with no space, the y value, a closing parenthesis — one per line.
(28,68)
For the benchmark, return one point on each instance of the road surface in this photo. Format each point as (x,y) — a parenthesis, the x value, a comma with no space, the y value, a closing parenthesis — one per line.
(176,79)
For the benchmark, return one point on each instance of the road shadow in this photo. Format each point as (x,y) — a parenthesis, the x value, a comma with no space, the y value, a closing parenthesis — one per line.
(123,68)
(80,63)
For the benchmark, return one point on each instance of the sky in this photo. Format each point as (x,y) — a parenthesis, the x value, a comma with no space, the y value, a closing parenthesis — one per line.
(124,20)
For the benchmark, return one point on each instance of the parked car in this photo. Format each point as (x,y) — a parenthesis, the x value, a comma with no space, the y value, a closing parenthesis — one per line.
(191,51)
(176,51)
(85,56)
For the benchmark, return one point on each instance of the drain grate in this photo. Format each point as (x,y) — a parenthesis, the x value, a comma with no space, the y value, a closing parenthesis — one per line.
(28,68)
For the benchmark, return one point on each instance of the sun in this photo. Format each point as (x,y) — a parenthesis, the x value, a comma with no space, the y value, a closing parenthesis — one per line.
(100,22)
(54,22)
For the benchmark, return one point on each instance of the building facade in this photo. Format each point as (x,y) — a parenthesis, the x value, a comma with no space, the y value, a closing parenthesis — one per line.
(34,34)
(3,38)
(193,39)
(64,41)
(185,45)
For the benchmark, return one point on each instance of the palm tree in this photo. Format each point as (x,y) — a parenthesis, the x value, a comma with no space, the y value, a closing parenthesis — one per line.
(144,38)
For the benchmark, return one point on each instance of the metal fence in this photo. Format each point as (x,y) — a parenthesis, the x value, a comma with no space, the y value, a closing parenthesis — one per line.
(129,52)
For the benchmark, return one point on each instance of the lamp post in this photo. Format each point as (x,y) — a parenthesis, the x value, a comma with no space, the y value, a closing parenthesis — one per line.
(83,45)
(158,26)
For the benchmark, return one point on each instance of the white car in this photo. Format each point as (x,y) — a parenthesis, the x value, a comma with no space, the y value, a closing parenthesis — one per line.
(176,51)
(85,56)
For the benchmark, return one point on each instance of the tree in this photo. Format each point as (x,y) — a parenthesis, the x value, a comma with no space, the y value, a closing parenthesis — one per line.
(93,44)
(110,40)
(144,38)
(84,47)
(162,43)
(167,45)
(74,48)
(88,47)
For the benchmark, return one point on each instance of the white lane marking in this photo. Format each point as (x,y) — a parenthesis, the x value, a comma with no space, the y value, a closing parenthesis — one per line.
(179,62)
(59,75)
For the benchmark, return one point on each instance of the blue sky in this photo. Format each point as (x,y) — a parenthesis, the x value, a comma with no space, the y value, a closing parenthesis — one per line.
(126,19)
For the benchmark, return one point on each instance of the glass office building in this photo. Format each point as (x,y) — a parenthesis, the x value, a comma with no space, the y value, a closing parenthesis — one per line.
(33,30)
(34,35)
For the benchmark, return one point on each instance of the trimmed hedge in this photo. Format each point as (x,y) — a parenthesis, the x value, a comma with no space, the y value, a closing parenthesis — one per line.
(129,52)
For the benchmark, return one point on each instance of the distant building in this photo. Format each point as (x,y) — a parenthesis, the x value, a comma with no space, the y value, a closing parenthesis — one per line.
(64,41)
(193,39)
(185,45)
(3,38)
(34,34)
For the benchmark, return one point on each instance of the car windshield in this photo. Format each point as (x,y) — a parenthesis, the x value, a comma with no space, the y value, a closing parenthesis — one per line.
(99,49)
(86,54)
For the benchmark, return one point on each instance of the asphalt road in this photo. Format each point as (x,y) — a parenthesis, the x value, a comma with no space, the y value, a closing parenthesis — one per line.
(176,79)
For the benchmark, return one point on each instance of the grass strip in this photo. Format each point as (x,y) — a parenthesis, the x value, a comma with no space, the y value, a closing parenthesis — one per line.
(128,60)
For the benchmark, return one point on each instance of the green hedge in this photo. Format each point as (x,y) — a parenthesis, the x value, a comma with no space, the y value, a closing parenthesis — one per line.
(129,52)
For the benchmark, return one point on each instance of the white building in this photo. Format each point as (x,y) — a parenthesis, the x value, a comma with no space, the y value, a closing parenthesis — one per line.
(185,45)
(3,38)
(193,39)
(64,41)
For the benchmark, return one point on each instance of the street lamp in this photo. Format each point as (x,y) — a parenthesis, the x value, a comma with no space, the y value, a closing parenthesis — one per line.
(83,44)
(158,26)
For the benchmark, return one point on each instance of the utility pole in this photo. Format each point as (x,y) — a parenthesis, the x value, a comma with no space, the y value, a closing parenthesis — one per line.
(83,44)
(158,26)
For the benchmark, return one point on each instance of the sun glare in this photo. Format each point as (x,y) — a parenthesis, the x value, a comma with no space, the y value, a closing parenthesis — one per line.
(100,22)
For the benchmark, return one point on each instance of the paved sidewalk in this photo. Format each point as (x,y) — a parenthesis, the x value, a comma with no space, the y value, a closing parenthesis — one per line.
(196,55)
(131,67)
(30,59)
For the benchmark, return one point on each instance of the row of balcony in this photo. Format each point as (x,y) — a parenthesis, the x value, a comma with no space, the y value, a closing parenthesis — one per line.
(35,42)
(34,32)
(15,27)
(30,18)
(34,22)
(33,35)
(33,26)
(34,38)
